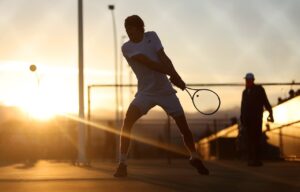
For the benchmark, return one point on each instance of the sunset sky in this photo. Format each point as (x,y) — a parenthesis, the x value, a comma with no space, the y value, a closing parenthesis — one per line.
(209,41)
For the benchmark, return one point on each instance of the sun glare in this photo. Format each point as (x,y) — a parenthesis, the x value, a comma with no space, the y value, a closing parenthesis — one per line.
(40,112)
(40,108)
(36,109)
(41,92)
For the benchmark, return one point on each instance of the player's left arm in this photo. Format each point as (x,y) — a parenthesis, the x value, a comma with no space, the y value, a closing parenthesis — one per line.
(168,65)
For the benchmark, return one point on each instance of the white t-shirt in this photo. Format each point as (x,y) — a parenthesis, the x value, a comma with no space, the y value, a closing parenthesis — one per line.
(150,82)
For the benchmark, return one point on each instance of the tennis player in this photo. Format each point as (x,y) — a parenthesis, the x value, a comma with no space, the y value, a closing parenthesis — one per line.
(145,54)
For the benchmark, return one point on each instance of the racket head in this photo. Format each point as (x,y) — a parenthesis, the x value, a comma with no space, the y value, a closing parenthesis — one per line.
(206,101)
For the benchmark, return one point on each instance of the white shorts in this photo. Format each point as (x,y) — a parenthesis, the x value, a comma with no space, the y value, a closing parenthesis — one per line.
(170,103)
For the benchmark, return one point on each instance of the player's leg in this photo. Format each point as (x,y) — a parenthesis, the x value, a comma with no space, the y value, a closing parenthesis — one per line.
(186,133)
(172,106)
(189,143)
(138,107)
(132,115)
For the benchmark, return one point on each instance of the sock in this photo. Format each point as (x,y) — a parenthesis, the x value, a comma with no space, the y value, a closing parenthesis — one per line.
(123,159)
(194,155)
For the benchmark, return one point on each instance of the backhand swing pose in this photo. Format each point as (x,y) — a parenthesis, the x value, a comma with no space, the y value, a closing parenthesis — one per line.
(145,54)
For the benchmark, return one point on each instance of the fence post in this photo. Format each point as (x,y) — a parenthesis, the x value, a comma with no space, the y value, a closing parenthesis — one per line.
(216,138)
(168,133)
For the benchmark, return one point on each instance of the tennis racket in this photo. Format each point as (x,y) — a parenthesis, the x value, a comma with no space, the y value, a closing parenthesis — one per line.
(206,101)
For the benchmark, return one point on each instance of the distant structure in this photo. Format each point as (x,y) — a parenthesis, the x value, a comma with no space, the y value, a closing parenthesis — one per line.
(292,94)
(282,138)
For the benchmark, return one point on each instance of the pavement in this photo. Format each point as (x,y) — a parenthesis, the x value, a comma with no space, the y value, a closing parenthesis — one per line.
(149,175)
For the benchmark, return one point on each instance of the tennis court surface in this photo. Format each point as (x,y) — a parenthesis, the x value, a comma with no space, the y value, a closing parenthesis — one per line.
(149,175)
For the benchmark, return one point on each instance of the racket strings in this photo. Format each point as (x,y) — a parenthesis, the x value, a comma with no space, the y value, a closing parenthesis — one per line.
(205,101)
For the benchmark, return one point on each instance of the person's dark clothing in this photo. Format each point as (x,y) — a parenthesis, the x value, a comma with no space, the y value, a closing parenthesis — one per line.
(254,100)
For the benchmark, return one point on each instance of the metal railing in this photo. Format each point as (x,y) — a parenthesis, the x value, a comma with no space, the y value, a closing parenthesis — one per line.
(189,85)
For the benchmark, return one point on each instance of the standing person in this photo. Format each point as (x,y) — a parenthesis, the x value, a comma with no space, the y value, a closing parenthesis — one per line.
(145,54)
(254,99)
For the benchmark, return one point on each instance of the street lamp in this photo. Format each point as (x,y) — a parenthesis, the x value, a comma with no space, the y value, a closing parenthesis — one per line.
(112,7)
(33,68)
(81,127)
(123,37)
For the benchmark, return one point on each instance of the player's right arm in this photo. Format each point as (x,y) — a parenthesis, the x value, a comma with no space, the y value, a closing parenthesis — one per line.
(156,66)
(165,68)
(164,65)
(132,54)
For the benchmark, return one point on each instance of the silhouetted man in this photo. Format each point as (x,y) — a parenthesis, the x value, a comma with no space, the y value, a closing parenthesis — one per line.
(145,55)
(254,99)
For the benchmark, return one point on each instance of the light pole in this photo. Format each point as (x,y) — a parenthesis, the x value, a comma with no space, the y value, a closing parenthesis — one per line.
(33,69)
(81,127)
(123,37)
(112,7)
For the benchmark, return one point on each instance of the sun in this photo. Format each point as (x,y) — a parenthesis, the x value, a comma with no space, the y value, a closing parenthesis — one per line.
(40,91)
(42,104)
(45,103)
(40,109)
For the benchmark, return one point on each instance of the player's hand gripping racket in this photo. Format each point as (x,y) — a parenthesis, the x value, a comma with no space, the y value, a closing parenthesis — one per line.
(205,101)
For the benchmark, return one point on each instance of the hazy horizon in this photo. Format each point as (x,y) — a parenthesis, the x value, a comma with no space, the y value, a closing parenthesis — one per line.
(209,41)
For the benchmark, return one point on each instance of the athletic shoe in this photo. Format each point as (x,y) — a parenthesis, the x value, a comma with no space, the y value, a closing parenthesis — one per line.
(197,163)
(121,170)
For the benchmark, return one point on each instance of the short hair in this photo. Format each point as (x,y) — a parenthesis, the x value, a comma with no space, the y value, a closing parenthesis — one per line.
(135,21)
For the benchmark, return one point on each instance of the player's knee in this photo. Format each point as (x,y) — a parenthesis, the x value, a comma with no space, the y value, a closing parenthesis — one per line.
(177,114)
(186,133)
(132,115)
(128,122)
